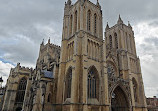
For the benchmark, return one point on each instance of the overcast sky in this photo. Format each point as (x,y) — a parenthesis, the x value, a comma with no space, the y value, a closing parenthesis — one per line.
(24,23)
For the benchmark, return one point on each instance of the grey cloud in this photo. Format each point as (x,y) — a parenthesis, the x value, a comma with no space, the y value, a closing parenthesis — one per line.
(152,40)
(154,23)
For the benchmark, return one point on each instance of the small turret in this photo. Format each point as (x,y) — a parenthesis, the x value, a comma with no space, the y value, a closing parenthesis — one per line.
(107,26)
(119,20)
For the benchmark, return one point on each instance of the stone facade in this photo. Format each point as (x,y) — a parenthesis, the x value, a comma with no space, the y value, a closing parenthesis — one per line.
(87,73)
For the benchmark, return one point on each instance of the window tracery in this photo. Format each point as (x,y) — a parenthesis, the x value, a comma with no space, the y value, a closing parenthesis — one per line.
(21,90)
(92,83)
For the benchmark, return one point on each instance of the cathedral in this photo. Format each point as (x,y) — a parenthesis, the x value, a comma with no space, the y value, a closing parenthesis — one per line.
(89,72)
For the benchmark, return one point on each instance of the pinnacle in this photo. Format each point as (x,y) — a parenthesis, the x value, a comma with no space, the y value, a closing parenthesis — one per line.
(49,40)
(119,20)
(69,2)
(107,26)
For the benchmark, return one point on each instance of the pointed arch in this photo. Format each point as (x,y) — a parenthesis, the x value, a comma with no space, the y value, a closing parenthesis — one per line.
(93,83)
(89,20)
(76,15)
(116,40)
(71,19)
(135,89)
(68,83)
(119,99)
(21,90)
(95,23)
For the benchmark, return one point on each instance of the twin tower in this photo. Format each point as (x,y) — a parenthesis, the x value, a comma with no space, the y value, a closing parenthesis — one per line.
(97,74)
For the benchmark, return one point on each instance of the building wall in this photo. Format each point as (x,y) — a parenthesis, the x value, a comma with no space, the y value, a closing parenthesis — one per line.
(16,74)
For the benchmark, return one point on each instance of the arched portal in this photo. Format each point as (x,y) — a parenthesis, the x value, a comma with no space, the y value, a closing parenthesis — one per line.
(119,101)
(18,109)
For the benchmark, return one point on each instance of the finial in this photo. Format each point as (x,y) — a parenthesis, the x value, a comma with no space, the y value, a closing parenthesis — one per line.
(119,20)
(119,16)
(129,25)
(42,42)
(49,40)
(107,26)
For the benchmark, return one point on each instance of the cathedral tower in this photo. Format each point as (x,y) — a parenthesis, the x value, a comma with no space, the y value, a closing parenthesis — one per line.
(126,89)
(81,83)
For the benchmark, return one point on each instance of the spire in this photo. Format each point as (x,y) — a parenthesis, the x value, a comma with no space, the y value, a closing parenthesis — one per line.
(107,26)
(119,20)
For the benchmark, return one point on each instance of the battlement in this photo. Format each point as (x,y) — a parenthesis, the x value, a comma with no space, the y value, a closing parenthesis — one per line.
(54,45)
(119,23)
(22,68)
(44,46)
(95,5)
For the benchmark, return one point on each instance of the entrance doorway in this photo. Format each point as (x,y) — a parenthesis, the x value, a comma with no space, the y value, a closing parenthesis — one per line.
(119,101)
(18,109)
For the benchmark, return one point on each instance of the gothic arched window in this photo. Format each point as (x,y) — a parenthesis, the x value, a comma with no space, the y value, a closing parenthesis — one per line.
(89,20)
(116,41)
(71,18)
(68,83)
(110,41)
(75,21)
(95,23)
(21,90)
(135,89)
(93,83)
